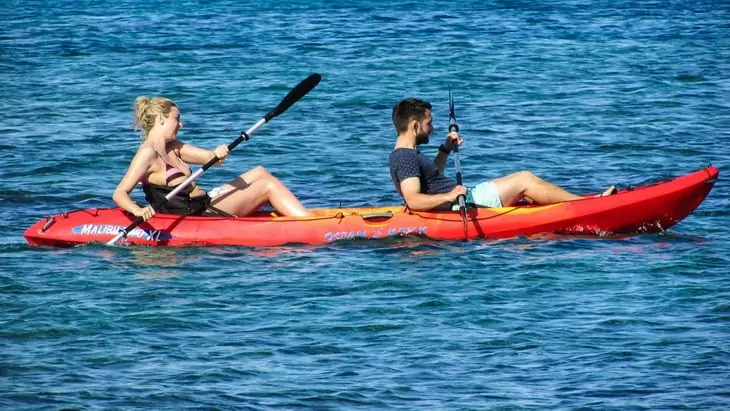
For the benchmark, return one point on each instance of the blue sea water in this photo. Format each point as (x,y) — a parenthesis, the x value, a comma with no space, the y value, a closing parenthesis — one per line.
(584,93)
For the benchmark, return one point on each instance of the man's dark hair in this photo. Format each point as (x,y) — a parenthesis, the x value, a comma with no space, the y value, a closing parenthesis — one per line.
(407,110)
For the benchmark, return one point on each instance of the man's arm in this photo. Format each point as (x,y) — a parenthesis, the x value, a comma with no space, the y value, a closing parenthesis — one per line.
(440,161)
(441,158)
(411,189)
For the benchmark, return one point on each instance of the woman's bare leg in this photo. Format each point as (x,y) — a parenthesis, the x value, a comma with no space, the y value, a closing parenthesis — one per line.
(255,188)
(255,173)
(610,191)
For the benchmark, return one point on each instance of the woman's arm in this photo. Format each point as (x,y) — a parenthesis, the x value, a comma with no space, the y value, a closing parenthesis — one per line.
(135,173)
(196,155)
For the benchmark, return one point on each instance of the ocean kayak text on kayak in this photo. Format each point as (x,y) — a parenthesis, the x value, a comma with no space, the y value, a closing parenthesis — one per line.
(377,233)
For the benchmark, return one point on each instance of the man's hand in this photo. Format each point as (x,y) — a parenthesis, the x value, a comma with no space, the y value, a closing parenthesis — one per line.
(451,139)
(456,192)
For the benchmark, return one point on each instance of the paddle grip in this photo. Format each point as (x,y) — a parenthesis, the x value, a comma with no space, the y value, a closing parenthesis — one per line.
(244,137)
(457,164)
(137,222)
(125,231)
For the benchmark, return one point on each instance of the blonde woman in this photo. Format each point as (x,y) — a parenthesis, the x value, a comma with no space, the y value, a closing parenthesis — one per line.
(161,164)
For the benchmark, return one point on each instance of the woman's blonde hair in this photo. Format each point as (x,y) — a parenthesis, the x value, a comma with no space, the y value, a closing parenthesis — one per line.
(146,111)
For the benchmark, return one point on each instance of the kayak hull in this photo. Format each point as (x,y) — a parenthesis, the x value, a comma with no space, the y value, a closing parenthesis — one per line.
(648,209)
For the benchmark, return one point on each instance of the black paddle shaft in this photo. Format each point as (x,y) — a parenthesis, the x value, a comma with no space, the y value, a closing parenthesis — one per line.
(453,127)
(304,87)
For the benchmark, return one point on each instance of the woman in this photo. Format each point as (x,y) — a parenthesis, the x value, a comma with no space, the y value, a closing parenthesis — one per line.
(161,164)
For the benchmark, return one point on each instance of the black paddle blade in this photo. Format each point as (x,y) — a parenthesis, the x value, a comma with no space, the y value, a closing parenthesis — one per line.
(294,95)
(452,112)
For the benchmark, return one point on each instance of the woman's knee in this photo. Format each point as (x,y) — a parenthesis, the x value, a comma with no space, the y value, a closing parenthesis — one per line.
(269,184)
(261,170)
(256,173)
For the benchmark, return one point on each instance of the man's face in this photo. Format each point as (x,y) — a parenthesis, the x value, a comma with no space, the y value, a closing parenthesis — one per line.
(424,128)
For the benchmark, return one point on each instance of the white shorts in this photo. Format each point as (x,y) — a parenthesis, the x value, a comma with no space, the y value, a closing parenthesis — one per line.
(219,191)
(482,195)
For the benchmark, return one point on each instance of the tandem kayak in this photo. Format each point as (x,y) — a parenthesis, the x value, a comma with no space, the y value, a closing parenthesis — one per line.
(647,209)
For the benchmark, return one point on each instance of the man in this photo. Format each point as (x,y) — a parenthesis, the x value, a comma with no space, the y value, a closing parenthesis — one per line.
(423,186)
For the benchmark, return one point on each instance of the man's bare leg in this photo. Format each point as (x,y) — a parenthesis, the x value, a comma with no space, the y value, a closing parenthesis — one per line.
(515,186)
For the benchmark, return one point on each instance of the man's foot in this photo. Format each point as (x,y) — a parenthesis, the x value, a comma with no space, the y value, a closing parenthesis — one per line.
(611,190)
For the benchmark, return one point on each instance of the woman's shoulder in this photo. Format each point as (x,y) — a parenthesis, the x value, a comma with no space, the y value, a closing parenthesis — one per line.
(146,152)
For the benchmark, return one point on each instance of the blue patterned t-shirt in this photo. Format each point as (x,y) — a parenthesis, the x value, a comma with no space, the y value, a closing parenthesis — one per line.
(406,163)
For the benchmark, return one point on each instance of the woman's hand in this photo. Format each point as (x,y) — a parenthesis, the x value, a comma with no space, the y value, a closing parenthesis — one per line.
(221,152)
(146,213)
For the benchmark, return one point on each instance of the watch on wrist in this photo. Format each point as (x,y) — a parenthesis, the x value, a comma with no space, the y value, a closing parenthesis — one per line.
(443,149)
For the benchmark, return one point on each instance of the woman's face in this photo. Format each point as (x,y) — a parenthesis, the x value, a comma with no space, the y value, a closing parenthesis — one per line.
(171,124)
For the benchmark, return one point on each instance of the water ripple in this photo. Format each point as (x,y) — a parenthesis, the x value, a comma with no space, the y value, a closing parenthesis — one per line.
(583,94)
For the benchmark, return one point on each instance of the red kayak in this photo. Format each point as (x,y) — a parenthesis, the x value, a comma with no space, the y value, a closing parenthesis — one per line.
(647,209)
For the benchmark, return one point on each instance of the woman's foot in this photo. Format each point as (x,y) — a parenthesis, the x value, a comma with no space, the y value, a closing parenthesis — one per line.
(611,190)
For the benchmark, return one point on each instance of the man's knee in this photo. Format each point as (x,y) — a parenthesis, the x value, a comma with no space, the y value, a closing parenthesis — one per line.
(525,176)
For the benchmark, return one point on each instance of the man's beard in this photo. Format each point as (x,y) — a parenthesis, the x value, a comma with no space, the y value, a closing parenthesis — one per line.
(422,138)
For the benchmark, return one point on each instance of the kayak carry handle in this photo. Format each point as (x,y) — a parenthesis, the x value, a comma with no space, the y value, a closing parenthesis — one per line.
(48,224)
(371,216)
